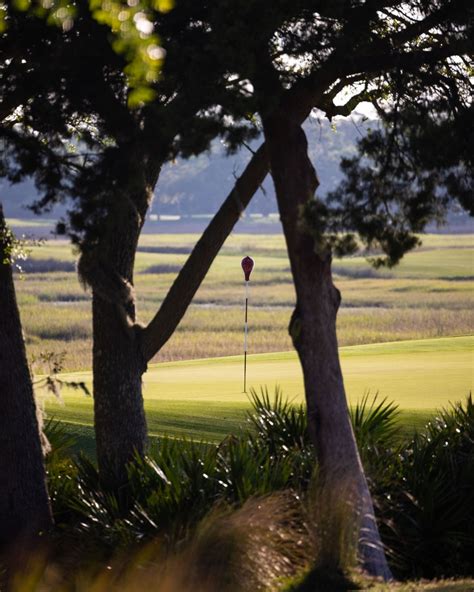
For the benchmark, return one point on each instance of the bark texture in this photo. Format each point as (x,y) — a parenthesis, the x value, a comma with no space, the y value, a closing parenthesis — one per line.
(119,416)
(313,330)
(118,364)
(24,504)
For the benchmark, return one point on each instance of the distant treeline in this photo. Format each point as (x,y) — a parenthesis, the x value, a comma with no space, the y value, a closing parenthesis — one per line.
(199,185)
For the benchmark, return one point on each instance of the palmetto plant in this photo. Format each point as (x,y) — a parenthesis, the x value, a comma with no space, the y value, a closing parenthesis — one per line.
(377,430)
(375,422)
(278,423)
(428,510)
(423,486)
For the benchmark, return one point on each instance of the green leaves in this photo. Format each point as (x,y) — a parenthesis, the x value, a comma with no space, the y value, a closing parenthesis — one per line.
(408,173)
(375,422)
(13,250)
(132,34)
(134,37)
(427,500)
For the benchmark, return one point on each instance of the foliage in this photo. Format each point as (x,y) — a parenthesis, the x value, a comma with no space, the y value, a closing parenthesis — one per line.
(375,424)
(75,134)
(15,251)
(377,431)
(61,441)
(217,91)
(411,171)
(423,492)
(132,33)
(279,424)
(51,382)
(427,511)
(169,491)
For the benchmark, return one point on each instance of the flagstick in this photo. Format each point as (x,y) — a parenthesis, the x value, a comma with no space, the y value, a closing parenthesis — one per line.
(247,264)
(245,334)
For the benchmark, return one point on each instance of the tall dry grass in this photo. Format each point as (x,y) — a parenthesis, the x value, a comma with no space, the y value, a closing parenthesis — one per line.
(249,549)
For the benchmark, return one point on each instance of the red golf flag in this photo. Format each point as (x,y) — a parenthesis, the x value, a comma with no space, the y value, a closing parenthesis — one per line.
(247,265)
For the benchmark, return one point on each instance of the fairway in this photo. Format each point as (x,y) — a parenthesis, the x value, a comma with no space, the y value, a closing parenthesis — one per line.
(204,399)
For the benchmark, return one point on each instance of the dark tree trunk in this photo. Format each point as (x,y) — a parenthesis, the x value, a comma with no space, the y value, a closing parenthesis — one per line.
(24,504)
(119,417)
(313,330)
(118,364)
(122,348)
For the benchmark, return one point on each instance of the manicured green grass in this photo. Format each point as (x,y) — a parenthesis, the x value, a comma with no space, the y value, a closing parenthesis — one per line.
(203,399)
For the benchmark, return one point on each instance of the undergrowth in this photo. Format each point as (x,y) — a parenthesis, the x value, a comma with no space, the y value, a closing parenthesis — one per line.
(240,515)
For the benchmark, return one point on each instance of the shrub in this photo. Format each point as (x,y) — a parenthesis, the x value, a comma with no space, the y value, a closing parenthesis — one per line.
(428,510)
(423,488)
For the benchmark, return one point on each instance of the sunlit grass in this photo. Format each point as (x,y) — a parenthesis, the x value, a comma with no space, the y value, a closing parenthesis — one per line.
(203,399)
(428,295)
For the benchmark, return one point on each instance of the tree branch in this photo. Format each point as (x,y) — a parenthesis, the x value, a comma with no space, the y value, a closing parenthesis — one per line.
(380,62)
(181,293)
(433,19)
(346,109)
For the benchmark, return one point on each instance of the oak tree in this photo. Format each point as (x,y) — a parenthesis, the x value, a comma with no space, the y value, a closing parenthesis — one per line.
(68,121)
(332,56)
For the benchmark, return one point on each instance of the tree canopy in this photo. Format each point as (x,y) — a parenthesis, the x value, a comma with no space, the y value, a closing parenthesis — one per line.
(65,112)
(408,173)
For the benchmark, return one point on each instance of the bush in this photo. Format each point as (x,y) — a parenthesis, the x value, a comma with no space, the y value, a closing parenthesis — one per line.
(428,510)
(423,488)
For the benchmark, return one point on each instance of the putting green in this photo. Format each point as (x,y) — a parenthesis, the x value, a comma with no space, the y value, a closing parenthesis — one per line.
(204,398)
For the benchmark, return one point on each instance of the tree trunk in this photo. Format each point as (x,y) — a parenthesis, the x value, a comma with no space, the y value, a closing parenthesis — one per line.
(313,330)
(24,504)
(121,348)
(118,364)
(119,416)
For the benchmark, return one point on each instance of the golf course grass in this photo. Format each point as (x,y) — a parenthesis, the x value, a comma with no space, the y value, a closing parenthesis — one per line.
(203,399)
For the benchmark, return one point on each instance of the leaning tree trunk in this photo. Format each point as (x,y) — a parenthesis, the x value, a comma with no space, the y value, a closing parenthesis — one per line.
(313,330)
(24,504)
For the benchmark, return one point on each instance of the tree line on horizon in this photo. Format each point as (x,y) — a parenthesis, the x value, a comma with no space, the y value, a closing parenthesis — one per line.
(193,186)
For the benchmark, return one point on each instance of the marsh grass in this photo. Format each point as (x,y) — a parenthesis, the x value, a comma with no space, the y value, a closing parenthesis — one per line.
(427,296)
(213,332)
(50,265)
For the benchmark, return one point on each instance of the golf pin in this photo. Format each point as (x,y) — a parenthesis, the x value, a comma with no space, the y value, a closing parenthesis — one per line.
(247,265)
